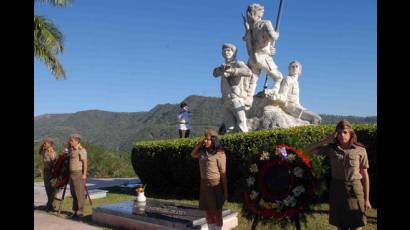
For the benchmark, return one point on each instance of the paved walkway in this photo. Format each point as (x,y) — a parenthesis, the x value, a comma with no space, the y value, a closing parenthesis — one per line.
(44,221)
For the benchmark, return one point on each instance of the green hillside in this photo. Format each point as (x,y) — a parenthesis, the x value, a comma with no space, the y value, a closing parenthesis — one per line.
(118,131)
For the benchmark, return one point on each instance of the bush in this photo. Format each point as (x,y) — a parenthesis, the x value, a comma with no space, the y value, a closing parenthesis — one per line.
(167,167)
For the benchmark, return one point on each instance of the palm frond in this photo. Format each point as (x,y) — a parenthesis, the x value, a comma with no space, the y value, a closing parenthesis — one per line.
(51,61)
(48,42)
(47,33)
(56,3)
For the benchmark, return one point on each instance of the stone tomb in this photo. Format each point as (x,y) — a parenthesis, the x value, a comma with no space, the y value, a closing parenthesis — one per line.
(156,214)
(97,193)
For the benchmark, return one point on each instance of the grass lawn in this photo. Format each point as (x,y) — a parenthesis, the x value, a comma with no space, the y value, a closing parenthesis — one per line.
(318,221)
(38,179)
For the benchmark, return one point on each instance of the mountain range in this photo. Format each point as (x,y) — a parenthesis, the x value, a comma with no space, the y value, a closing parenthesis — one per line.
(118,130)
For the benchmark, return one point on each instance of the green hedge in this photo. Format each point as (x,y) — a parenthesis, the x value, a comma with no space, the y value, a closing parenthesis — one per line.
(167,166)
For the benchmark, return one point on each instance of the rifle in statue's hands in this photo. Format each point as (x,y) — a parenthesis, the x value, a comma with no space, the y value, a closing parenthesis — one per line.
(248,36)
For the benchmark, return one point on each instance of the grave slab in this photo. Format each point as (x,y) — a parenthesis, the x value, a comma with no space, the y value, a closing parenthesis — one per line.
(157,214)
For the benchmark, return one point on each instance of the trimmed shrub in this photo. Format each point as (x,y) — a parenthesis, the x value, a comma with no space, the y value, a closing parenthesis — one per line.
(166,166)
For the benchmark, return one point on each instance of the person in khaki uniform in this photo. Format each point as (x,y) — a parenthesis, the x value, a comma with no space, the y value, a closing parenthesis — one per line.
(78,173)
(213,187)
(350,186)
(49,157)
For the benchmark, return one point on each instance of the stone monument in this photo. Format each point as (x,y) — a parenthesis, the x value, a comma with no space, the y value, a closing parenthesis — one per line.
(260,38)
(276,107)
(290,91)
(233,73)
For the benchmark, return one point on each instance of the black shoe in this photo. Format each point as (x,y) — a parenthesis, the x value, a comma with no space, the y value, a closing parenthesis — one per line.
(74,216)
(50,210)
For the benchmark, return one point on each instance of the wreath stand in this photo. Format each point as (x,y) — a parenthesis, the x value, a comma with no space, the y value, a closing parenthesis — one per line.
(61,200)
(295,219)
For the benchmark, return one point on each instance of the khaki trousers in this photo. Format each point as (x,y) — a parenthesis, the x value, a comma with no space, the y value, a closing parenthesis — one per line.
(77,186)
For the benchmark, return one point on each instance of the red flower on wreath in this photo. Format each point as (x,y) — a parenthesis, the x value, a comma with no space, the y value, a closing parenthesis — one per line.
(61,174)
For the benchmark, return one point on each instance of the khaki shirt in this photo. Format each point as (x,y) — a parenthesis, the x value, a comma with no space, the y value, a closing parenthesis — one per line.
(48,158)
(346,163)
(210,165)
(75,156)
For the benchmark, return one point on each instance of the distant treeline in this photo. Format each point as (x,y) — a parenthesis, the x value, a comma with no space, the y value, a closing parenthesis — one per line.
(333,119)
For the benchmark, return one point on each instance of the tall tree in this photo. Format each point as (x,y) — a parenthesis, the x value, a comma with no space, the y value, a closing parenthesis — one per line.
(48,40)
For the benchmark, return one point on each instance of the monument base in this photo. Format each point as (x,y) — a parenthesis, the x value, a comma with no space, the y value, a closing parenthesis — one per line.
(156,214)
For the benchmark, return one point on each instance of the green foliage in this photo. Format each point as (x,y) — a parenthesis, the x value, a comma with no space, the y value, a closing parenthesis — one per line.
(166,165)
(102,162)
(56,3)
(48,40)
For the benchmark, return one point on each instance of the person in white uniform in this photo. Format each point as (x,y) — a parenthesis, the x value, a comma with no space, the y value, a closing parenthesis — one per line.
(183,117)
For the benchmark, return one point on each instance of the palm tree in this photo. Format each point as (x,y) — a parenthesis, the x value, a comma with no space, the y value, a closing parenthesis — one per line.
(48,40)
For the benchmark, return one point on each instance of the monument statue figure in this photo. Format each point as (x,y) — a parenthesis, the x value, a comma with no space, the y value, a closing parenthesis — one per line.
(290,92)
(232,73)
(276,107)
(260,37)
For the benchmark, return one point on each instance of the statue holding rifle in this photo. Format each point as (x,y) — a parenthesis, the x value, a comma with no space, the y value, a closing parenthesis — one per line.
(275,107)
(260,39)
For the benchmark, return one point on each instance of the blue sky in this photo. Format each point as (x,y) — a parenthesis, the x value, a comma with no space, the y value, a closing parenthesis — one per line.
(128,56)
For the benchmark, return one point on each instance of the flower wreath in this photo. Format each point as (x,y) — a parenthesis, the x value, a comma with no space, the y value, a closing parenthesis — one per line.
(280,184)
(61,172)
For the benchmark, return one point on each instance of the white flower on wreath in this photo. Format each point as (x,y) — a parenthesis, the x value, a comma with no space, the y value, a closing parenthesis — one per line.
(298,190)
(291,157)
(289,201)
(253,195)
(253,168)
(298,172)
(264,156)
(250,181)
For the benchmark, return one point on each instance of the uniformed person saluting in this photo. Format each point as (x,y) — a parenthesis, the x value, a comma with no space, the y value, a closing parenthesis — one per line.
(78,173)
(350,186)
(49,157)
(214,185)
